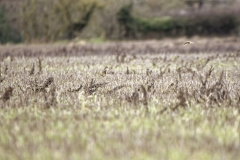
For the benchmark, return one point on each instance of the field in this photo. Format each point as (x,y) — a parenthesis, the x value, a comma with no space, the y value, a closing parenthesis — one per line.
(121,100)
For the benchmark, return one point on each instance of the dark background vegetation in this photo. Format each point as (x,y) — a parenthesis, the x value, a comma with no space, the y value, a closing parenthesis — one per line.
(44,20)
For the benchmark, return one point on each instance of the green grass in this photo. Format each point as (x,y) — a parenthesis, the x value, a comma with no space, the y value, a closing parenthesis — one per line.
(66,124)
(118,133)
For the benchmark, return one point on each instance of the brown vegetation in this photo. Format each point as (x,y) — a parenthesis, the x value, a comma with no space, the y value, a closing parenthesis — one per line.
(170,77)
(135,100)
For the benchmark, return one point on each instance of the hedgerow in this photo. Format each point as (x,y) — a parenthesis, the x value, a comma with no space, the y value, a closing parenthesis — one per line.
(204,24)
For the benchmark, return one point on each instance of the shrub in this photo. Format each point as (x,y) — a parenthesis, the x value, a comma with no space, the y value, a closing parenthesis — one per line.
(210,23)
(126,20)
(155,24)
(7,34)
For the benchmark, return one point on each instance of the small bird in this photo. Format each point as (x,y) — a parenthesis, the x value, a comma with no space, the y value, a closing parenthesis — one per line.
(188,42)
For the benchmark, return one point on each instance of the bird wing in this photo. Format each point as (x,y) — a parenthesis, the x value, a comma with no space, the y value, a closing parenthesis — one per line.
(187,42)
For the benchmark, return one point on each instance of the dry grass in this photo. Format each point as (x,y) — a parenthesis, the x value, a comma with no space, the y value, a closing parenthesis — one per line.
(120,101)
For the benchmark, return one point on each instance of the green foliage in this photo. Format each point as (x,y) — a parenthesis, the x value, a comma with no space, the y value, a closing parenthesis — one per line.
(155,24)
(7,34)
(198,24)
(126,20)
(133,25)
(124,14)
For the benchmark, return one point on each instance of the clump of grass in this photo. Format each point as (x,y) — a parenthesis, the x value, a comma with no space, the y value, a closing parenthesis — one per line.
(8,93)
(39,66)
(50,98)
(181,101)
(205,79)
(115,89)
(151,86)
(144,92)
(134,98)
(148,72)
(121,58)
(46,83)
(76,89)
(139,95)
(32,70)
(92,87)
(6,69)
(127,71)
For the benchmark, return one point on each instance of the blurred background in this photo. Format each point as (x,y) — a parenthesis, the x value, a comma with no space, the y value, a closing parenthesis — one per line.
(38,21)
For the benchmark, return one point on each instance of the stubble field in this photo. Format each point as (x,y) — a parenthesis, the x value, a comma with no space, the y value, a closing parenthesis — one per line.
(121,100)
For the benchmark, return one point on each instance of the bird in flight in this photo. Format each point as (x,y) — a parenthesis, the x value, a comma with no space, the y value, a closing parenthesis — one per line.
(187,43)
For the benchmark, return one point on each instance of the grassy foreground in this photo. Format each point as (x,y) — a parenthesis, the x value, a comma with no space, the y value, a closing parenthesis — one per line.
(73,103)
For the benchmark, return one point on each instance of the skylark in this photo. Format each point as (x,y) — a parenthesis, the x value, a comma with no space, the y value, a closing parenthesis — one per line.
(188,42)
